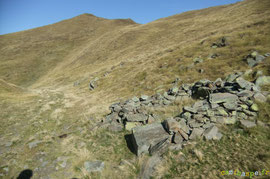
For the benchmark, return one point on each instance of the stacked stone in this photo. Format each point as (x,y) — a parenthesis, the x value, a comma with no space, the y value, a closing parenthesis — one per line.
(219,102)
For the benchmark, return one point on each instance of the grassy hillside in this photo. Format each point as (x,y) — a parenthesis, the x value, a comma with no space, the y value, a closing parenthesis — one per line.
(44,88)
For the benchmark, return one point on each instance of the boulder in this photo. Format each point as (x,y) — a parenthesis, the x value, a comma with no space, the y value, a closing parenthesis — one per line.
(149,135)
(222,98)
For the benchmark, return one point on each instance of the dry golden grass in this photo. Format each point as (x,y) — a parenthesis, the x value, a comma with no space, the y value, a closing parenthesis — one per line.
(38,68)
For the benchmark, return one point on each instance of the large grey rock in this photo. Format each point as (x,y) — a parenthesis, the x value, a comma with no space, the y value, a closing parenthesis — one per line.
(212,133)
(263,80)
(247,123)
(222,98)
(138,117)
(149,135)
(94,166)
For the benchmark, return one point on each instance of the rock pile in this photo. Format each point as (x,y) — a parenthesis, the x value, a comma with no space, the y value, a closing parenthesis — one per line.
(220,43)
(255,58)
(218,102)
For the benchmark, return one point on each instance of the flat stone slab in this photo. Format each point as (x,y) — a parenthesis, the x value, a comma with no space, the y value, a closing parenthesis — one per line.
(149,135)
(222,98)
(247,123)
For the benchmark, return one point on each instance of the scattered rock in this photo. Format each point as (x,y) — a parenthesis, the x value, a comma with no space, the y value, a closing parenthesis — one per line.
(94,166)
(222,42)
(197,60)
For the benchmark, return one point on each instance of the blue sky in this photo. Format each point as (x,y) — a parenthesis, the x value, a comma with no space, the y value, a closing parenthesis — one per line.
(17,15)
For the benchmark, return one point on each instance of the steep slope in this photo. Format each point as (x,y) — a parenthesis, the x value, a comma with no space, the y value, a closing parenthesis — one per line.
(27,55)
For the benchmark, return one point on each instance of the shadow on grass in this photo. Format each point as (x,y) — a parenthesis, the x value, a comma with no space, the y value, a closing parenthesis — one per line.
(130,146)
(25,174)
